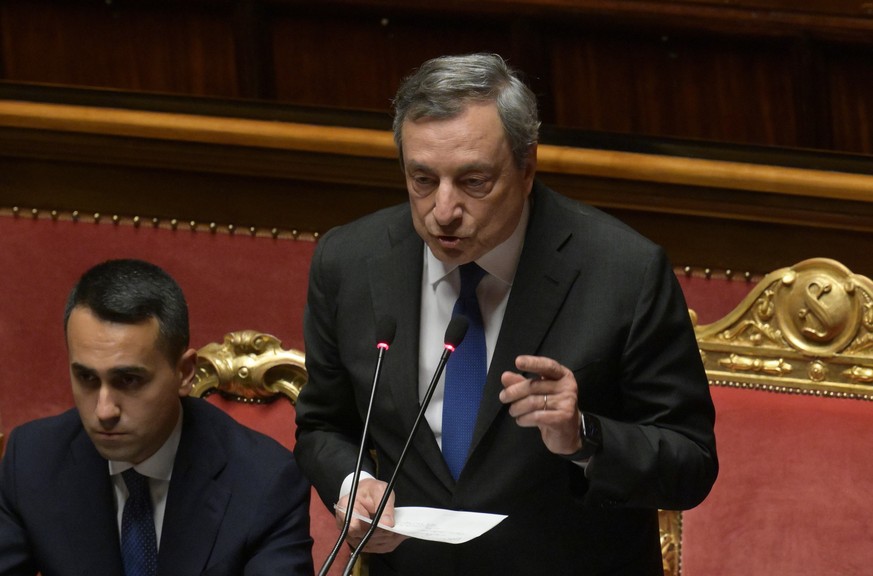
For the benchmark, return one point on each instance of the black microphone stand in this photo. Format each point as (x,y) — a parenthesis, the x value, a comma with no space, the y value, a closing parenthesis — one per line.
(455,333)
(385,330)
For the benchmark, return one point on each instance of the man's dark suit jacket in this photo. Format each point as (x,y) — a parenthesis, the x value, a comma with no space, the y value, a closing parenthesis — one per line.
(590,293)
(237,503)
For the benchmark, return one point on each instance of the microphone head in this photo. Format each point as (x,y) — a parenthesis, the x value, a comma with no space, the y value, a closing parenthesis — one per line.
(386,327)
(456,331)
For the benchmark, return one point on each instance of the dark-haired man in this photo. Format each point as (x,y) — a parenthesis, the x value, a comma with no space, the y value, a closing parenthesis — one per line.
(138,479)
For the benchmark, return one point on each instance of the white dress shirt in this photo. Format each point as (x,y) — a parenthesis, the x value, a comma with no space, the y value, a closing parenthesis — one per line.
(440,287)
(158,468)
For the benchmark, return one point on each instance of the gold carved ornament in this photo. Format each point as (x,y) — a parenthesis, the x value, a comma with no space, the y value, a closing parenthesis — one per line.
(249,366)
(804,329)
(670,524)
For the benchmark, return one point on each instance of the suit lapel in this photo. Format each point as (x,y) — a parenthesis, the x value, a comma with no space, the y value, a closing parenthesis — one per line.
(395,283)
(196,501)
(85,496)
(544,277)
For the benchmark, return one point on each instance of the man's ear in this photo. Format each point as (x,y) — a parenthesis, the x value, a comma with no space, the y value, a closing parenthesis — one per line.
(186,368)
(530,163)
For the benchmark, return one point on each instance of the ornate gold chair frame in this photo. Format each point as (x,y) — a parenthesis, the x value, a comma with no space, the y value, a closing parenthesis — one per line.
(806,329)
(249,366)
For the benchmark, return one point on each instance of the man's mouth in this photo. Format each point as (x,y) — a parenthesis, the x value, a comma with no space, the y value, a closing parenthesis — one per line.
(449,241)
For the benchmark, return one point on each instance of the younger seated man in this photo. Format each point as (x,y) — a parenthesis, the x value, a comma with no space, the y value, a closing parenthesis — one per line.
(216,498)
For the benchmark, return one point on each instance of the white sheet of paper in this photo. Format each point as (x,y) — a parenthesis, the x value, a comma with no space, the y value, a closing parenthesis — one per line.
(438,525)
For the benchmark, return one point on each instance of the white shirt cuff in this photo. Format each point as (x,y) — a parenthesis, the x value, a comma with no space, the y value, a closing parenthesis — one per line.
(347,483)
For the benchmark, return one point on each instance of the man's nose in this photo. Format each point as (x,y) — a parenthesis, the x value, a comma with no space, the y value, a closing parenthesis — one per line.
(107,408)
(447,206)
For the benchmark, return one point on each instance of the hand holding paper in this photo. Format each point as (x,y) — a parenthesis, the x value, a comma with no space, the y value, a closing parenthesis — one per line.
(450,526)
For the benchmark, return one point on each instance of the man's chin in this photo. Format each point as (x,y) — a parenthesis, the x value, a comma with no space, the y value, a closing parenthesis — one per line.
(451,251)
(113,447)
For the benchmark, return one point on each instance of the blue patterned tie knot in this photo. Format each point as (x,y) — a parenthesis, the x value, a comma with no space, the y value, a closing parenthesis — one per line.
(465,374)
(139,548)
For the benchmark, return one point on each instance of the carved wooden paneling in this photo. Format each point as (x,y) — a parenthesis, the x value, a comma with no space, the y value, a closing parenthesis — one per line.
(766,72)
(702,88)
(179,48)
(362,57)
(262,173)
(848,78)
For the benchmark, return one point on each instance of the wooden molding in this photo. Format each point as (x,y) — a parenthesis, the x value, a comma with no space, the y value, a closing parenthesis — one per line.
(370,143)
(290,175)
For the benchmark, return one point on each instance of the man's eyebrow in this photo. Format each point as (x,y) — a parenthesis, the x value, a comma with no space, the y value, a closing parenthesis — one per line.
(115,371)
(81,368)
(463,169)
(119,370)
(413,165)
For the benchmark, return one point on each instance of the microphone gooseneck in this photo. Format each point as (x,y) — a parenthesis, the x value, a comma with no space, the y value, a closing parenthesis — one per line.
(386,327)
(455,333)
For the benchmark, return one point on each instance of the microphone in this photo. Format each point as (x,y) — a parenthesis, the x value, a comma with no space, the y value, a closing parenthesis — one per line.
(385,330)
(455,333)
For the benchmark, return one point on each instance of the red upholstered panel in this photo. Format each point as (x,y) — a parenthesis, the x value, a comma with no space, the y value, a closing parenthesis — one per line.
(275,419)
(712,298)
(795,492)
(231,282)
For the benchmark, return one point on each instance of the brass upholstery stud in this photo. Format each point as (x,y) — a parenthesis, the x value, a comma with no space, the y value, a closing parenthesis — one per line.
(137,221)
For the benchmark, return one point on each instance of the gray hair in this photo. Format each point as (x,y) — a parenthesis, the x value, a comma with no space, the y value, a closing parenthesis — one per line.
(442,87)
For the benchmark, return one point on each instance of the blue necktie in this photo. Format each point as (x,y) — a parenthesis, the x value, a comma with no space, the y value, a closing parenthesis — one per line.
(465,375)
(139,547)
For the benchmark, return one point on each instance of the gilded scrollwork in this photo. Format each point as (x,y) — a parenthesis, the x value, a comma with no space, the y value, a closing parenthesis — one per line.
(756,329)
(820,312)
(859,374)
(249,366)
(670,522)
(817,371)
(773,366)
(809,327)
(864,340)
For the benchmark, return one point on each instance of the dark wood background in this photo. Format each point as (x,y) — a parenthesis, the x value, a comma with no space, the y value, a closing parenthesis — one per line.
(771,82)
(764,72)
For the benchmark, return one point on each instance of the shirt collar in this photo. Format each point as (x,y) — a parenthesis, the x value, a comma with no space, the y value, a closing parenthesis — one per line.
(501,261)
(160,464)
